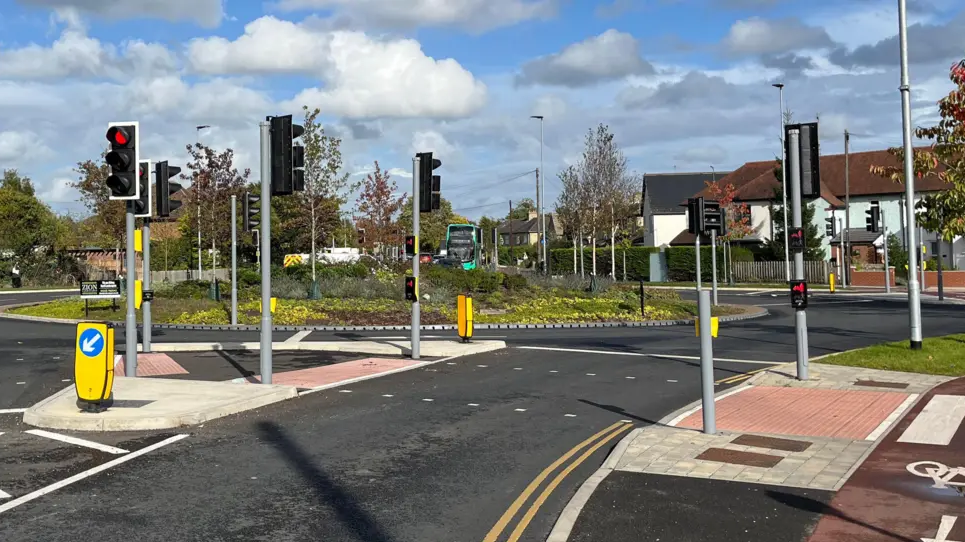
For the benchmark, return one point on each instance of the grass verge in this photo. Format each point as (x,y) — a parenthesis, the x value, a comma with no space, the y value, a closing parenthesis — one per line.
(938,356)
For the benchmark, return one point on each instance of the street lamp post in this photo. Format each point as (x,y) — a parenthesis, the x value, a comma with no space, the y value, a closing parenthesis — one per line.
(540,196)
(197,130)
(787,251)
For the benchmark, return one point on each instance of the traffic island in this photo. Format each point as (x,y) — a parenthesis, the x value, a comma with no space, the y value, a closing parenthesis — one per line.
(142,404)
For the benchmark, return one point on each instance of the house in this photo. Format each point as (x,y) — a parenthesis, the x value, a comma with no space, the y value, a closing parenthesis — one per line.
(755,185)
(526,232)
(661,194)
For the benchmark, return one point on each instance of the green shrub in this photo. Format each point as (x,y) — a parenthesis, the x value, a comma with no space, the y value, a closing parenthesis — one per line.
(682,263)
(514,282)
(638,261)
(248,277)
(189,289)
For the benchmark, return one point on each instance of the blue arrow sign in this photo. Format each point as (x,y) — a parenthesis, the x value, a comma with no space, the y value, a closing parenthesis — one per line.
(92,342)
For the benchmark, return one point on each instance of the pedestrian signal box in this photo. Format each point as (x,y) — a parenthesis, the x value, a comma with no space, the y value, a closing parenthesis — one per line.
(412,289)
(799,294)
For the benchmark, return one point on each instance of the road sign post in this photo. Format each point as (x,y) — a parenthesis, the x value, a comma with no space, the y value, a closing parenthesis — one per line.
(147,293)
(706,362)
(94,366)
(416,209)
(713,262)
(234,260)
(800,314)
(265,245)
(130,329)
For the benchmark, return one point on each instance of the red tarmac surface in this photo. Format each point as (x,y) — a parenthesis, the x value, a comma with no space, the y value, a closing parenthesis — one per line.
(151,365)
(339,372)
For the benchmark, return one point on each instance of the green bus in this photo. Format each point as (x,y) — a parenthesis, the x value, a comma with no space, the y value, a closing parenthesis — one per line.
(464,245)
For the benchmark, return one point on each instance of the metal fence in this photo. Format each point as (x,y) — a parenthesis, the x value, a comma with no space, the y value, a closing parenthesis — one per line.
(815,272)
(192,274)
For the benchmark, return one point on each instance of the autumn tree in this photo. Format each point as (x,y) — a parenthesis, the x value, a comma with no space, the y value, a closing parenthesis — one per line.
(107,226)
(377,208)
(737,216)
(214,179)
(571,209)
(942,212)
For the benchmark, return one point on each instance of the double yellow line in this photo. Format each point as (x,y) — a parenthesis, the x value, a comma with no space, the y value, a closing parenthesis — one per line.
(600,439)
(743,376)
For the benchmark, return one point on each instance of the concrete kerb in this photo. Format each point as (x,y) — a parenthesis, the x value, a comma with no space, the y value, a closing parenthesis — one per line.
(760,312)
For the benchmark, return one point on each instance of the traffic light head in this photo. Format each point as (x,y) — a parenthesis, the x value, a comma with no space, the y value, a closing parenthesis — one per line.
(411,289)
(829,229)
(361,233)
(250,216)
(873,218)
(283,156)
(430,186)
(298,165)
(799,294)
(123,159)
(165,188)
(410,242)
(143,204)
(695,216)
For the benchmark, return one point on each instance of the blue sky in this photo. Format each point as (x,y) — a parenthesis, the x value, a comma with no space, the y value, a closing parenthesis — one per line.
(683,84)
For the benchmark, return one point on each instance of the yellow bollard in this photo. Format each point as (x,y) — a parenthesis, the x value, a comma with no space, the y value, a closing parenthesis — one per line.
(714,325)
(464,316)
(138,294)
(94,366)
(831,281)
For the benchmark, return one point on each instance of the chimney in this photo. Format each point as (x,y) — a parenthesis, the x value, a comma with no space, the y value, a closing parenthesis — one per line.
(533,214)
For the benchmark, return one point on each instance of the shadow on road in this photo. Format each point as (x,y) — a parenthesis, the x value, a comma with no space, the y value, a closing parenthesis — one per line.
(330,493)
(807,504)
(619,410)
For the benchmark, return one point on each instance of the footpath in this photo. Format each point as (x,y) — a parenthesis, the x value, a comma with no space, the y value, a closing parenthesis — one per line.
(851,455)
(182,384)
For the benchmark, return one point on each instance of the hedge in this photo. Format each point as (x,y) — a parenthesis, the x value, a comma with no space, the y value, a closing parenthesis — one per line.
(682,265)
(638,261)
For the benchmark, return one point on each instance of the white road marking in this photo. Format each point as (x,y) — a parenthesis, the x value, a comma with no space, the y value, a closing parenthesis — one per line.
(817,304)
(88,473)
(473,404)
(451,363)
(400,338)
(517,368)
(895,414)
(21,383)
(554,371)
(12,411)
(388,395)
(728,360)
(19,359)
(56,357)
(345,391)
(65,380)
(76,441)
(520,410)
(428,400)
(482,365)
(689,411)
(570,415)
(938,422)
(590,374)
(944,529)
(631,378)
(672,381)
(298,337)
(4,494)
(579,350)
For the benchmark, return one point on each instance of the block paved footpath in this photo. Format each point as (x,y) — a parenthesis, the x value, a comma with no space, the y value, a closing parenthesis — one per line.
(851,455)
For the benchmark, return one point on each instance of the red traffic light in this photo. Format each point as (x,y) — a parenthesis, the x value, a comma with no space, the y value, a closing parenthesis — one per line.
(118,135)
(798,288)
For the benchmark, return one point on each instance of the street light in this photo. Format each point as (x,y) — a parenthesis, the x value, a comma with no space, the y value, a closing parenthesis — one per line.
(197,131)
(540,194)
(787,251)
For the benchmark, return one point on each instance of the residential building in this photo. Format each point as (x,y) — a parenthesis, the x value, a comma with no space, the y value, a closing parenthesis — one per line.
(662,216)
(756,185)
(526,232)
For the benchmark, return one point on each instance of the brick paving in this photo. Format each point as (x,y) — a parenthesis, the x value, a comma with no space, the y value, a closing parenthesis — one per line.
(339,372)
(833,420)
(151,365)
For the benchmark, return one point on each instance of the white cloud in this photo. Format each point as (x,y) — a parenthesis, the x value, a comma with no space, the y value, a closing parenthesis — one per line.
(610,56)
(476,15)
(757,36)
(207,13)
(364,77)
(21,147)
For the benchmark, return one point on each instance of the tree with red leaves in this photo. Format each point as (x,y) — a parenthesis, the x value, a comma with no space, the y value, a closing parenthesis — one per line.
(737,216)
(942,212)
(378,207)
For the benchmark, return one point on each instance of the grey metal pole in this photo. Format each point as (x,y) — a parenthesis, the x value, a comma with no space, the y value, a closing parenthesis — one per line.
(130,334)
(146,305)
(921,254)
(197,195)
(697,257)
(234,260)
(706,363)
(265,252)
(787,256)
(415,259)
(713,262)
(546,262)
(847,209)
(884,244)
(800,315)
(914,301)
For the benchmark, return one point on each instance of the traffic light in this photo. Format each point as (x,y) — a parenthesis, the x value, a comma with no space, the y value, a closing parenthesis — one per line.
(795,239)
(714,218)
(361,236)
(123,158)
(430,186)
(410,243)
(142,205)
(284,158)
(250,217)
(829,229)
(799,294)
(873,217)
(411,289)
(695,215)
(165,188)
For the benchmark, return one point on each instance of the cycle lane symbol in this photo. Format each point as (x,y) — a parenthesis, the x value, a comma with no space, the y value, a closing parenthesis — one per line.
(942,475)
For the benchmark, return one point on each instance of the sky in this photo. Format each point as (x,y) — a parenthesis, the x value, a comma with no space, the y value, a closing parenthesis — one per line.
(683,85)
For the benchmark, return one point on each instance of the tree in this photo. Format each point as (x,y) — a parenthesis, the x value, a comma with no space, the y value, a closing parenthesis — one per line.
(522,209)
(942,212)
(26,224)
(107,225)
(571,209)
(813,237)
(488,225)
(214,179)
(326,188)
(378,207)
(737,214)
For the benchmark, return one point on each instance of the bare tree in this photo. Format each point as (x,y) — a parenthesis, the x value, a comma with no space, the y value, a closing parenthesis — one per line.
(569,208)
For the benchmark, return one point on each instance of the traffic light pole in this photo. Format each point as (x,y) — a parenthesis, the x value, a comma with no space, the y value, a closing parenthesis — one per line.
(914,301)
(130,333)
(234,260)
(146,305)
(697,251)
(415,258)
(713,261)
(884,244)
(265,245)
(800,315)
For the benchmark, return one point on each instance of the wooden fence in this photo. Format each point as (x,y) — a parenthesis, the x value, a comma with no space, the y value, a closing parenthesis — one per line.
(815,272)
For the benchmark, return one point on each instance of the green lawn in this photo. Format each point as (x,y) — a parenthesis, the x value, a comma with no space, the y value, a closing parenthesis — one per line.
(938,356)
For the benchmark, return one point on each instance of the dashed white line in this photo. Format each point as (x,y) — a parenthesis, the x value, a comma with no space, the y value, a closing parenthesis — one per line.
(88,473)
(554,371)
(631,378)
(451,363)
(19,359)
(570,415)
(428,400)
(56,357)
(76,441)
(672,381)
(482,365)
(21,383)
(388,395)
(517,368)
(520,410)
(65,380)
(473,404)
(345,391)
(590,374)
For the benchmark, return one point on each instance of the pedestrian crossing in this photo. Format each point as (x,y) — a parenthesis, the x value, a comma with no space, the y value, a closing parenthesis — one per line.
(937,423)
